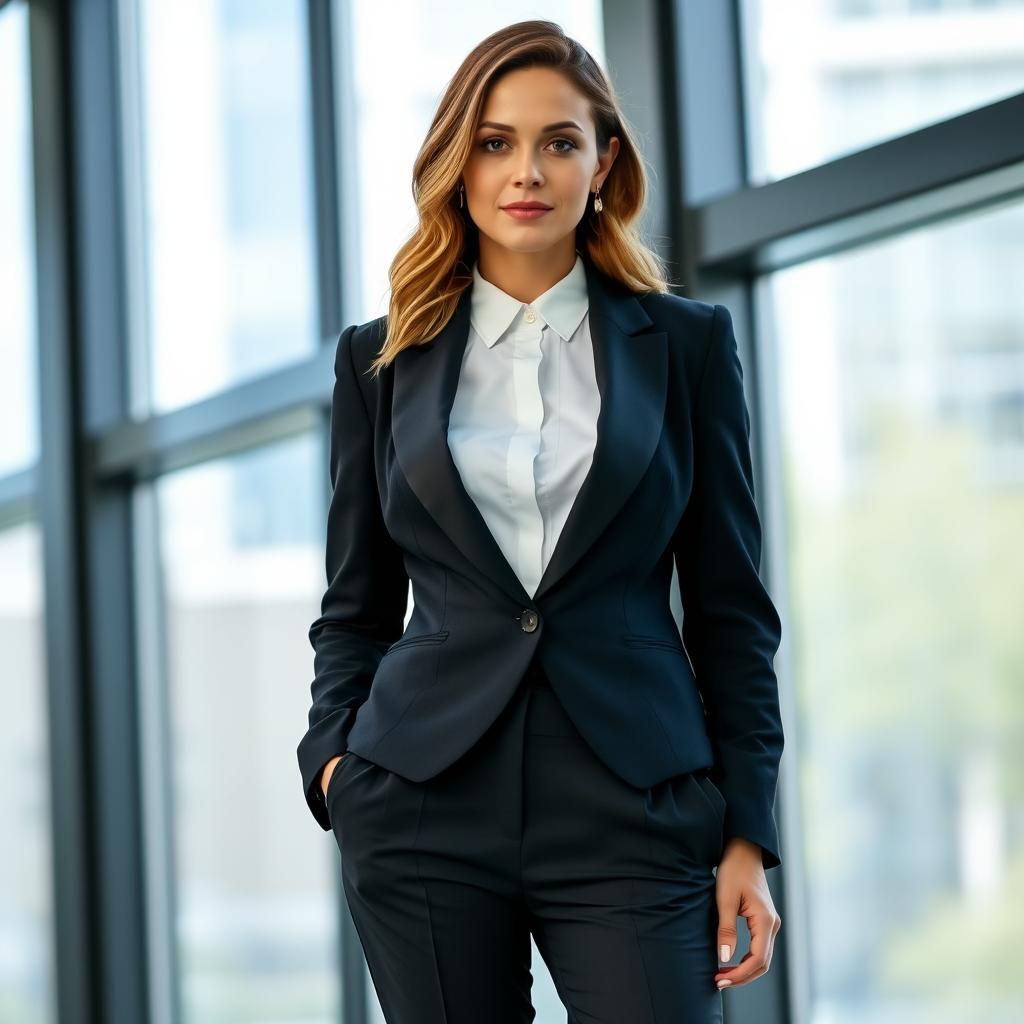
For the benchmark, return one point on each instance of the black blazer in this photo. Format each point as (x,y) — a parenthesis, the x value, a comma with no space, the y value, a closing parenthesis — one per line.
(671,479)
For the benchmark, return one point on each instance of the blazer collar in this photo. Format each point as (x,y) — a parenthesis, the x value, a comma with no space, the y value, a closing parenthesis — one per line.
(631,364)
(562,307)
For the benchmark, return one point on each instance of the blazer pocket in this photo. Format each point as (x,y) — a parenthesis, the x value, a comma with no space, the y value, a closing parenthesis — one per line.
(419,638)
(640,640)
(712,793)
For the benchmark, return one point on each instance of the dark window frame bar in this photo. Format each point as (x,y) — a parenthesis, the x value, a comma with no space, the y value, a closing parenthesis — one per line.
(58,476)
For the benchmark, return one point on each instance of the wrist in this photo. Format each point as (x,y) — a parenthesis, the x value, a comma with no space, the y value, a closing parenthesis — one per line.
(325,775)
(741,846)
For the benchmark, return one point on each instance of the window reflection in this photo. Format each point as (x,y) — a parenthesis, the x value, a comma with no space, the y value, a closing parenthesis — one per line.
(828,77)
(230,249)
(902,397)
(26,885)
(241,561)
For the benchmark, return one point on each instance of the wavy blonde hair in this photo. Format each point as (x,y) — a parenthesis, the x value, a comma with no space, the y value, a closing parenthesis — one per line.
(434,266)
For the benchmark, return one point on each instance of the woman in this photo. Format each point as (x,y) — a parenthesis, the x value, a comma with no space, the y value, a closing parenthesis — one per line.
(532,436)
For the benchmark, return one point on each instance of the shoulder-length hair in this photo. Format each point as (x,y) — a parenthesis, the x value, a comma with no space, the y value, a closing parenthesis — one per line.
(434,266)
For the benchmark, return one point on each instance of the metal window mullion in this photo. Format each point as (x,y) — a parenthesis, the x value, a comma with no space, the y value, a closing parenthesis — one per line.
(713,153)
(330,93)
(76,920)
(99,913)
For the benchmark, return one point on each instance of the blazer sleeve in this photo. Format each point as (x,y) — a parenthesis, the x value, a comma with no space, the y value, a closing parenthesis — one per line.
(363,608)
(731,629)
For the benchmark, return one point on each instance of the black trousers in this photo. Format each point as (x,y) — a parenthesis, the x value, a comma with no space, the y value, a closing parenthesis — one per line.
(529,832)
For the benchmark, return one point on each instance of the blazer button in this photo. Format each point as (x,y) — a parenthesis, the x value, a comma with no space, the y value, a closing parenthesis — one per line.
(529,620)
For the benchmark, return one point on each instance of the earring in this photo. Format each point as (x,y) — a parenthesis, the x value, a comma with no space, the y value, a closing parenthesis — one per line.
(598,205)
(462,195)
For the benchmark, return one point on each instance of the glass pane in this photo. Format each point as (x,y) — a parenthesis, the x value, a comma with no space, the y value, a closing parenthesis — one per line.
(26,885)
(391,113)
(901,369)
(241,560)
(230,249)
(827,77)
(19,409)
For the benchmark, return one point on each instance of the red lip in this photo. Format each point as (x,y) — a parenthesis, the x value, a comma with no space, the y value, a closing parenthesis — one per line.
(526,206)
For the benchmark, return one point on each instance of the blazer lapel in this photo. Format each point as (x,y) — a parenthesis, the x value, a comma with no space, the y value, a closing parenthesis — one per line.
(631,366)
(425,381)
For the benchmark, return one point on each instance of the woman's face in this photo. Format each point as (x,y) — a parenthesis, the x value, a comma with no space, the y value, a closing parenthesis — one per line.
(517,156)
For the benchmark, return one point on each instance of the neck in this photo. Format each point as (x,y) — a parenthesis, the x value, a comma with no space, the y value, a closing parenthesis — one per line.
(525,275)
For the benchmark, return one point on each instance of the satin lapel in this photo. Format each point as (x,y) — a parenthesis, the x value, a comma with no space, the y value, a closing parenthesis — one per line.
(426,377)
(631,365)
(631,370)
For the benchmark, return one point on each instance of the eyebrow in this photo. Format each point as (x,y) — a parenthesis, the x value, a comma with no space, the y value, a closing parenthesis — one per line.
(547,128)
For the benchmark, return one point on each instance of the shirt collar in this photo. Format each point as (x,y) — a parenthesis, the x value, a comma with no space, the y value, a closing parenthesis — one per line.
(562,307)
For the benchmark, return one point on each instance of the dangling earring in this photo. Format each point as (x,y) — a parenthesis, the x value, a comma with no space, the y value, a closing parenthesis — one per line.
(598,205)
(462,195)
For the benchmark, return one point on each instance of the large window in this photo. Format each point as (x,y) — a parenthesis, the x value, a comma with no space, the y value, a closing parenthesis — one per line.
(902,397)
(19,430)
(253,919)
(197,196)
(226,186)
(27,961)
(826,77)
(26,886)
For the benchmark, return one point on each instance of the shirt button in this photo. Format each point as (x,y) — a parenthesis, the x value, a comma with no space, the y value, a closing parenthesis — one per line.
(530,315)
(529,620)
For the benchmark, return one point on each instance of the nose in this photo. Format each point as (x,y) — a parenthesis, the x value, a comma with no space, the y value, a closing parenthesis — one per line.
(528,173)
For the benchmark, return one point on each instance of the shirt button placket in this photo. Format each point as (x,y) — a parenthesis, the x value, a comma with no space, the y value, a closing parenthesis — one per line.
(523,449)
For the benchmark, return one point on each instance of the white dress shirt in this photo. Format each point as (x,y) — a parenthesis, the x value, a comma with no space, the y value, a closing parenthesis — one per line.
(524,421)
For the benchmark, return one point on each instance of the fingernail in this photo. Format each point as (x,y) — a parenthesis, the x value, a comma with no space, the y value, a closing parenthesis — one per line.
(723,952)
(723,983)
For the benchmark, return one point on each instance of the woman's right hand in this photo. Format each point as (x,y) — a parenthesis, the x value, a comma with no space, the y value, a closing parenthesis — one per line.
(325,775)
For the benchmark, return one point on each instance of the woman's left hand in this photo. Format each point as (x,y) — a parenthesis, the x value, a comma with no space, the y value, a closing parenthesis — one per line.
(742,889)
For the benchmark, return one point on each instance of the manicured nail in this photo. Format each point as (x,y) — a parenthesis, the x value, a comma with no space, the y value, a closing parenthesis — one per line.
(723,983)
(723,952)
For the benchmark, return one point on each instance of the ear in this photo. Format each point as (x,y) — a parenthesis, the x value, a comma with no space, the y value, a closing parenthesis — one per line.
(605,162)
